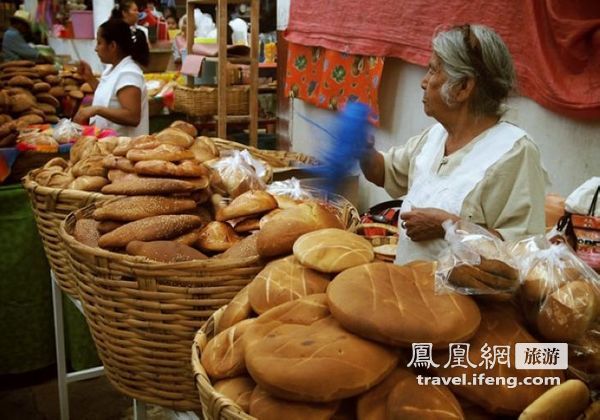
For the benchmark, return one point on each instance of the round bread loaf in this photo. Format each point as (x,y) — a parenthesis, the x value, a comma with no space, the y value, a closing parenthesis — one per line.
(282,281)
(501,325)
(223,356)
(568,312)
(237,390)
(398,305)
(565,401)
(264,406)
(88,183)
(319,362)
(237,310)
(168,152)
(332,250)
(175,137)
(247,204)
(217,237)
(277,236)
(303,311)
(185,127)
(204,149)
(408,400)
(242,249)
(372,404)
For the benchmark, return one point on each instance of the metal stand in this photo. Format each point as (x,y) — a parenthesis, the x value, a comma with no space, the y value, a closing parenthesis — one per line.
(64,378)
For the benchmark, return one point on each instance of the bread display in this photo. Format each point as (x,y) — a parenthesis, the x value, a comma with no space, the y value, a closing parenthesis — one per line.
(332,250)
(129,209)
(237,389)
(398,305)
(282,281)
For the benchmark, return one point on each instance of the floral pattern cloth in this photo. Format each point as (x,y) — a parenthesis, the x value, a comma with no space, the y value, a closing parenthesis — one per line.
(328,79)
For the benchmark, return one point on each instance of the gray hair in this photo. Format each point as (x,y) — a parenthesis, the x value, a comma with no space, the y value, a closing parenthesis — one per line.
(476,51)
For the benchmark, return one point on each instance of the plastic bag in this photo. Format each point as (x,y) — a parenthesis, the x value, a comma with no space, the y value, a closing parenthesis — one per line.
(66,131)
(289,188)
(476,263)
(239,173)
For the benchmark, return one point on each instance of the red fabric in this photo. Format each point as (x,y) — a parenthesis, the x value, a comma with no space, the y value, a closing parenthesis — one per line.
(328,79)
(555,43)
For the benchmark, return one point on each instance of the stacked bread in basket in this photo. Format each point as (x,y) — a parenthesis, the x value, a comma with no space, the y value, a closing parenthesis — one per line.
(183,230)
(328,332)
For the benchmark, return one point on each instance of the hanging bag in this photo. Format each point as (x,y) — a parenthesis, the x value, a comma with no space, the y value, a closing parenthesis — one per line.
(586,229)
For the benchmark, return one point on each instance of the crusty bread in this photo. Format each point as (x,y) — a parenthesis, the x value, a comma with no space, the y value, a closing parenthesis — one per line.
(106,226)
(166,152)
(304,311)
(332,250)
(267,407)
(117,162)
(175,137)
(187,168)
(216,237)
(149,229)
(501,325)
(278,235)
(284,280)
(564,401)
(238,390)
(54,177)
(408,400)
(164,251)
(319,362)
(86,232)
(88,183)
(128,209)
(223,356)
(568,312)
(133,185)
(204,149)
(189,238)
(237,310)
(372,404)
(247,225)
(242,249)
(185,127)
(247,204)
(398,305)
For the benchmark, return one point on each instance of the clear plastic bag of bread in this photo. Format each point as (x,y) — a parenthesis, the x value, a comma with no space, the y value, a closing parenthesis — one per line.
(560,293)
(476,263)
(290,188)
(66,131)
(239,173)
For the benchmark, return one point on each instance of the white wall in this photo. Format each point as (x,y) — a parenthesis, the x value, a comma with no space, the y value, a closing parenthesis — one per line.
(570,148)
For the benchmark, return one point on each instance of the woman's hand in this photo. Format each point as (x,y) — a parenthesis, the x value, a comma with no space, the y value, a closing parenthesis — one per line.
(85,70)
(423,224)
(84,114)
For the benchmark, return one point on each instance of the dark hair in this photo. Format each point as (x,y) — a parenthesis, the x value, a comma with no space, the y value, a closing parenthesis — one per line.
(117,12)
(118,31)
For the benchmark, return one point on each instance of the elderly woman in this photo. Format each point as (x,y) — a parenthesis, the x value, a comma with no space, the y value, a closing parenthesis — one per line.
(470,165)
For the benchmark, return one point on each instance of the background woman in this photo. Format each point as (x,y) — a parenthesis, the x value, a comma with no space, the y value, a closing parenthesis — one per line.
(470,165)
(128,11)
(120,100)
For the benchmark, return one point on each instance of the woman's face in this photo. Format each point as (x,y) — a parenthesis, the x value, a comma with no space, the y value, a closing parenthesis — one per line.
(131,14)
(103,49)
(431,84)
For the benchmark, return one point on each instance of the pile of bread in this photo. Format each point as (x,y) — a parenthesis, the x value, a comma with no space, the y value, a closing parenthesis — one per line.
(31,93)
(328,333)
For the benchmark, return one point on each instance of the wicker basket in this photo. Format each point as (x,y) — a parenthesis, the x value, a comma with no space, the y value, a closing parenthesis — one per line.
(238,100)
(214,405)
(143,315)
(50,207)
(202,100)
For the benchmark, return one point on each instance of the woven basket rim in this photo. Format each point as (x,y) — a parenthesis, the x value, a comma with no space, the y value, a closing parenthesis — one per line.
(30,184)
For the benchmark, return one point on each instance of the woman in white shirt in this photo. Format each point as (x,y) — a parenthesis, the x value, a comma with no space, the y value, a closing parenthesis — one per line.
(120,99)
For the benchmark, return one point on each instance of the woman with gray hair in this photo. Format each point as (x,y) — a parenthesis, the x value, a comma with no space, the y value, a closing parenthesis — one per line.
(471,165)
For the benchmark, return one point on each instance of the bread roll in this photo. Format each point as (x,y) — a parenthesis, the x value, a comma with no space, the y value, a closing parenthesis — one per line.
(247,225)
(320,362)
(372,404)
(237,389)
(86,232)
(164,251)
(501,325)
(592,412)
(264,406)
(332,250)
(58,163)
(185,127)
(398,305)
(408,400)
(187,168)
(204,149)
(175,137)
(106,226)
(223,356)
(166,152)
(237,310)
(149,229)
(242,249)
(568,312)
(128,209)
(217,237)
(564,401)
(189,238)
(54,178)
(88,183)
(134,185)
(118,162)
(282,281)
(304,311)
(248,204)
(277,236)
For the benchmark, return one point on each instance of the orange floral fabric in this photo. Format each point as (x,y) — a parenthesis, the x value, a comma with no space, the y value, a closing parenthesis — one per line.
(328,79)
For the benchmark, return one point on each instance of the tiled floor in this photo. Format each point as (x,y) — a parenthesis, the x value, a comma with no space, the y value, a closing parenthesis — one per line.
(34,396)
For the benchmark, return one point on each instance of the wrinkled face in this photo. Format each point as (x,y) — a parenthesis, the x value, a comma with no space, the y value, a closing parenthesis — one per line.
(432,86)
(131,14)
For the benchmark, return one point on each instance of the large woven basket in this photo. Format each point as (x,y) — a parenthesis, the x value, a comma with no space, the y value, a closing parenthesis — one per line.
(143,315)
(214,405)
(50,207)
(201,101)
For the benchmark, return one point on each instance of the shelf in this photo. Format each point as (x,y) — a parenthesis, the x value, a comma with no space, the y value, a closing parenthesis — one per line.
(267,89)
(245,119)
(232,60)
(267,65)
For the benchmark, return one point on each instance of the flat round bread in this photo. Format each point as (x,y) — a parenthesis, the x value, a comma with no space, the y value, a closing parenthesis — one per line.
(264,406)
(398,305)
